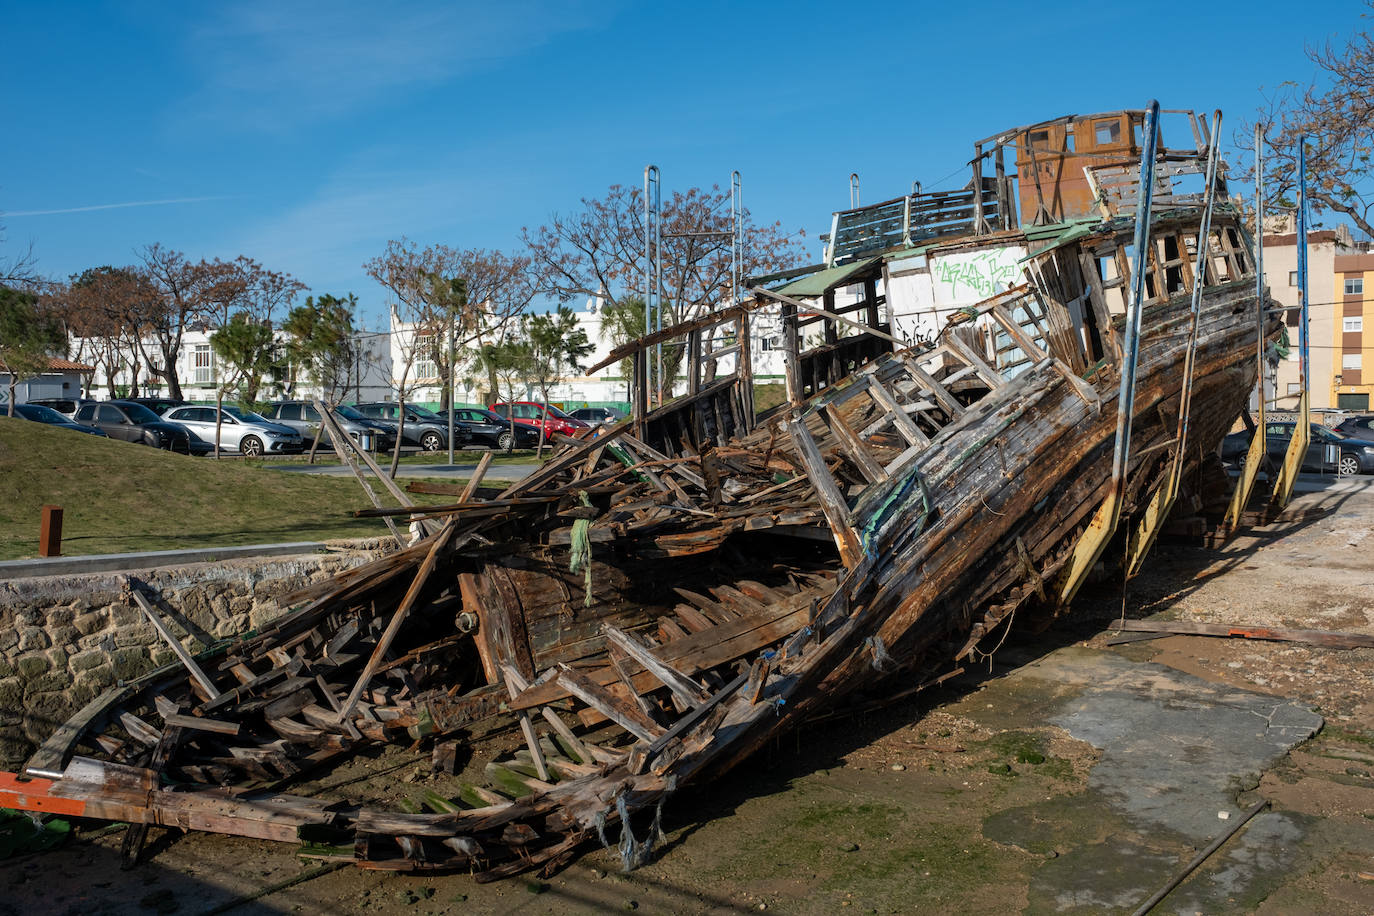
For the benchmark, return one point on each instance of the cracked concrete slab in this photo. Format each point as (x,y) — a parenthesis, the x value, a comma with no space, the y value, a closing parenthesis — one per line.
(1175,752)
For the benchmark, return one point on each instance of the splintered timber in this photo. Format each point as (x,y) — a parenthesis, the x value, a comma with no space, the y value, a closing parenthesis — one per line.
(664,596)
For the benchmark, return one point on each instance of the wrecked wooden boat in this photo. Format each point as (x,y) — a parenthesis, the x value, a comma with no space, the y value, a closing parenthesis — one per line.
(662,598)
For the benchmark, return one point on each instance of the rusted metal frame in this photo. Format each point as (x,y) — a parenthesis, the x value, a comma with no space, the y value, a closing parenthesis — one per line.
(1163,500)
(827,492)
(1104,522)
(1259,445)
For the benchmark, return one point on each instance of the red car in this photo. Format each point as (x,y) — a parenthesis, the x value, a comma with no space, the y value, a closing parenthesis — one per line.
(544,417)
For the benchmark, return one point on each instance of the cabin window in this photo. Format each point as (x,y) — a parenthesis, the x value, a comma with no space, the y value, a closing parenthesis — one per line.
(1068,138)
(1107,133)
(1039,139)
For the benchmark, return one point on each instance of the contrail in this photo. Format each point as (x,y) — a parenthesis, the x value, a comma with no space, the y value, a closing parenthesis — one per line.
(132,203)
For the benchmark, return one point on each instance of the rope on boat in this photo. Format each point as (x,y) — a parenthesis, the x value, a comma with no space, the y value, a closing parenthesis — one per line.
(582,548)
(633,852)
(882,661)
(896,502)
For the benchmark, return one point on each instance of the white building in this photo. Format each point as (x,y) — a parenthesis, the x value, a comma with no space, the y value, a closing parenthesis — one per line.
(200,373)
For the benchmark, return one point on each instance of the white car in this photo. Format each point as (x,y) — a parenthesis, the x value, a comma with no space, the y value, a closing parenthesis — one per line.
(240,430)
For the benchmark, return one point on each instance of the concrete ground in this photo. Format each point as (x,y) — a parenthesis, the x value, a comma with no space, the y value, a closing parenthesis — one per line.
(1066,775)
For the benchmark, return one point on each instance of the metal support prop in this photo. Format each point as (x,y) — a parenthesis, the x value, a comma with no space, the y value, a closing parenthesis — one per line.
(1259,444)
(1302,432)
(744,370)
(653,267)
(1163,500)
(1104,522)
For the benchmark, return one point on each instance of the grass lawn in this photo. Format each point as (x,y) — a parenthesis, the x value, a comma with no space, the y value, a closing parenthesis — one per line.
(119,497)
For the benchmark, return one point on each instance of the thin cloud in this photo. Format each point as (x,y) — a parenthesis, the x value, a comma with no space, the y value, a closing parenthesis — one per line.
(120,206)
(270,65)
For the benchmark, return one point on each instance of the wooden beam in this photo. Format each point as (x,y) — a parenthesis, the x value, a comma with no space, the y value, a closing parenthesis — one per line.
(412,595)
(827,493)
(172,642)
(681,686)
(600,699)
(515,684)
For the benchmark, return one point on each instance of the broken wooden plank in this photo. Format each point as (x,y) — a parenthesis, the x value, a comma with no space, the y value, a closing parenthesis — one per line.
(598,698)
(411,596)
(515,683)
(1331,639)
(172,642)
(684,688)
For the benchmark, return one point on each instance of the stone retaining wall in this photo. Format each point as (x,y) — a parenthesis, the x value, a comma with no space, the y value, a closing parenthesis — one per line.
(66,639)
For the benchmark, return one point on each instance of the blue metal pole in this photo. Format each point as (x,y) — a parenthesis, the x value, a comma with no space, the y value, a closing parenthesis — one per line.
(1125,407)
(1304,363)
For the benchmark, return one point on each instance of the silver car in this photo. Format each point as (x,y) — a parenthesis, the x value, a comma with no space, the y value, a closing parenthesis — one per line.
(240,430)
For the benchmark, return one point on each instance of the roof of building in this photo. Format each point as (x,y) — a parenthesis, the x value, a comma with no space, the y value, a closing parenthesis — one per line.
(57,365)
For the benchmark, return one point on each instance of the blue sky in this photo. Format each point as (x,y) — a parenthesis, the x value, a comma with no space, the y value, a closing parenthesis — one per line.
(306,135)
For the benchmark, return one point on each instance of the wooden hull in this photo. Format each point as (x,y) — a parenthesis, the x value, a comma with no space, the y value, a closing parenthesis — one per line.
(649,608)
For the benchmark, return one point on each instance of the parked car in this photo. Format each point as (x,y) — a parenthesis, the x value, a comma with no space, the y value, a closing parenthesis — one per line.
(1328,451)
(40,414)
(159,406)
(492,430)
(598,416)
(240,430)
(423,427)
(304,419)
(544,417)
(65,406)
(134,423)
(1361,426)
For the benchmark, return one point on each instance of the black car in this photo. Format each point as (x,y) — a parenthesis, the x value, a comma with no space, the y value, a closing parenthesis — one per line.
(40,414)
(1360,426)
(1328,450)
(134,423)
(486,428)
(598,416)
(423,427)
(65,406)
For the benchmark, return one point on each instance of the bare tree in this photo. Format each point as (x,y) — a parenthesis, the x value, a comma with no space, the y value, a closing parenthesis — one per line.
(1336,115)
(448,299)
(600,250)
(101,309)
(187,292)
